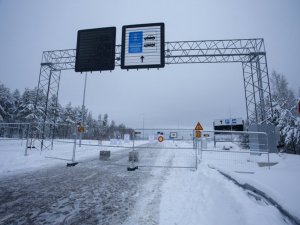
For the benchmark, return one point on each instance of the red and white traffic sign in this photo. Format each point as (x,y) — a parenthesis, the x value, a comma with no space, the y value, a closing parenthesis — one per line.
(160,138)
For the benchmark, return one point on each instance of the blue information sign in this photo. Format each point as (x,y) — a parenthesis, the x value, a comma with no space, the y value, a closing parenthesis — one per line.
(135,42)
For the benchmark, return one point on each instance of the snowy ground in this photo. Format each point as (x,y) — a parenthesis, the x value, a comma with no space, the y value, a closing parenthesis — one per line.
(205,197)
(12,160)
(39,190)
(281,182)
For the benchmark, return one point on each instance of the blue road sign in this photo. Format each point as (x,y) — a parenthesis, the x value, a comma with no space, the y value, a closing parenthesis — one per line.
(227,121)
(135,42)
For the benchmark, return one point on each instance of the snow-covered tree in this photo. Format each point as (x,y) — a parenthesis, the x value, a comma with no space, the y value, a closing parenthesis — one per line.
(284,117)
(16,97)
(6,103)
(26,108)
(16,107)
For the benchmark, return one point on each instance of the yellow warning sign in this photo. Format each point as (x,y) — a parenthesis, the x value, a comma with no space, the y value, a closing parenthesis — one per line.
(198,134)
(198,127)
(80,129)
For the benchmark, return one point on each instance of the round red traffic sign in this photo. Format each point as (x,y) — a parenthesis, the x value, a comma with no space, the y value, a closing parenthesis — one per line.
(160,138)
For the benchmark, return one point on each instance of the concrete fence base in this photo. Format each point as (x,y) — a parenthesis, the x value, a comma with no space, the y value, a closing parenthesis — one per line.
(104,155)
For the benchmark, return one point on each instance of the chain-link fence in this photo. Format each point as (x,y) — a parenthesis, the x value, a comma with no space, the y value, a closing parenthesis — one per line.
(173,148)
(234,149)
(14,135)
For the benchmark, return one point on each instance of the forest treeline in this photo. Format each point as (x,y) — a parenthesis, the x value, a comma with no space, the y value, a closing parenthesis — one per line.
(17,107)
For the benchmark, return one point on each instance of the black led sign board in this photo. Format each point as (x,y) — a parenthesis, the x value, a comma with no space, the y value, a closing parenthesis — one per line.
(95,49)
(143,46)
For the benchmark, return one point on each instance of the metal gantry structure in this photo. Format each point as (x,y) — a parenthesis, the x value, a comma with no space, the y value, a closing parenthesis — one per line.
(249,52)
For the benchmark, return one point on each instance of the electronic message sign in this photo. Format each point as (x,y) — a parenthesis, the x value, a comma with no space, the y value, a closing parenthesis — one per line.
(95,49)
(143,46)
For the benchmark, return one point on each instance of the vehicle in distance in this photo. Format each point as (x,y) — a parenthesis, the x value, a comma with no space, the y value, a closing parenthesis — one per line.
(149,37)
(149,45)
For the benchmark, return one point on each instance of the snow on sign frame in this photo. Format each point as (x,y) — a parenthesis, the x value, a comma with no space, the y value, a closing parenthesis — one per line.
(143,46)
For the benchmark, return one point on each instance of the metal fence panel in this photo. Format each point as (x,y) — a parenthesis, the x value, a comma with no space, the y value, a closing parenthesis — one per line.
(16,132)
(233,149)
(173,148)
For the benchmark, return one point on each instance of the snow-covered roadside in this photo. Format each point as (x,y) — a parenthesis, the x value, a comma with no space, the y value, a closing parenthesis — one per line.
(205,197)
(13,161)
(281,182)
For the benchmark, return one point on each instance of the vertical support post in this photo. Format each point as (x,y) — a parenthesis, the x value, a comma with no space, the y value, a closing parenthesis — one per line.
(244,65)
(35,104)
(254,94)
(133,152)
(31,135)
(27,137)
(196,149)
(83,109)
(55,110)
(52,137)
(143,127)
(260,91)
(74,146)
(133,138)
(215,143)
(46,111)
(196,156)
(268,150)
(201,148)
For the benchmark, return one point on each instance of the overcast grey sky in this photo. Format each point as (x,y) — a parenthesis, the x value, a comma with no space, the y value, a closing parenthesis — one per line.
(177,95)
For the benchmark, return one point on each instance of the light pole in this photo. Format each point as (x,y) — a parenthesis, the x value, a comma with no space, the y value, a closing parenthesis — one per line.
(83,109)
(143,125)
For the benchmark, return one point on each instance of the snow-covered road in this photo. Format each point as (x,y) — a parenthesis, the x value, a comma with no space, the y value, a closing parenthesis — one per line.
(89,193)
(96,192)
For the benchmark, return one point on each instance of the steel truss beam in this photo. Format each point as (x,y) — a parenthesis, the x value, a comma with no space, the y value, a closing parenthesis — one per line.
(250,52)
(46,104)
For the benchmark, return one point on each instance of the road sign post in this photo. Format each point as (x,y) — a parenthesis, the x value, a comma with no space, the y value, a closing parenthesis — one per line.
(198,129)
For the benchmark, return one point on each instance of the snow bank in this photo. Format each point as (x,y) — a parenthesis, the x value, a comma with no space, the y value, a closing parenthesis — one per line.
(206,197)
(281,182)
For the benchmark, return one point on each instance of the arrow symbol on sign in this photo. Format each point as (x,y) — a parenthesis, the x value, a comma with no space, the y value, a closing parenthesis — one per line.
(142,58)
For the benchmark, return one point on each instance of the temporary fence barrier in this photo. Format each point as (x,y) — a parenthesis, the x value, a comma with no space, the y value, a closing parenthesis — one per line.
(236,149)
(16,134)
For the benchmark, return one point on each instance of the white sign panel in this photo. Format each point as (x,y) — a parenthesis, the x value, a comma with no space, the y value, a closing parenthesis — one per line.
(143,46)
(173,134)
